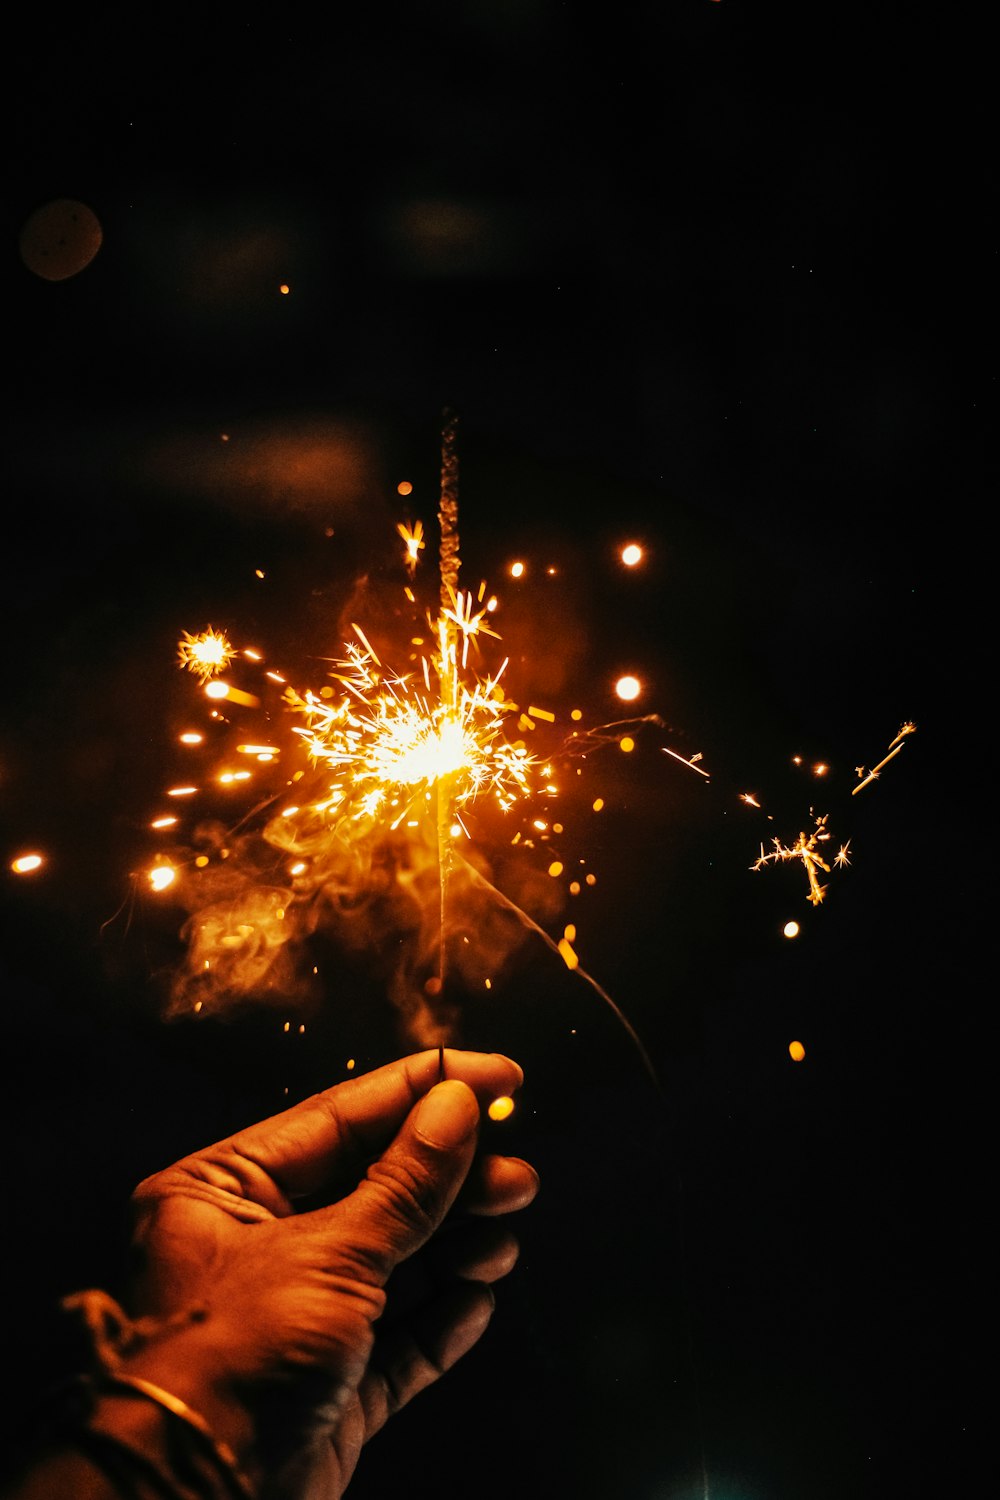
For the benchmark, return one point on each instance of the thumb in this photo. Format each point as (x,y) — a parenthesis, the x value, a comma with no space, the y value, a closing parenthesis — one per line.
(408,1191)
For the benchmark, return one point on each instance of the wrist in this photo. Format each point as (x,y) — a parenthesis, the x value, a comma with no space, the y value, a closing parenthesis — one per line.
(186,1375)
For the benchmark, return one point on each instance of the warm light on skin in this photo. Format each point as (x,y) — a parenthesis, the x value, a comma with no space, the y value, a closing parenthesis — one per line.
(628,688)
(631,554)
(501,1108)
(790,929)
(25,863)
(796,1051)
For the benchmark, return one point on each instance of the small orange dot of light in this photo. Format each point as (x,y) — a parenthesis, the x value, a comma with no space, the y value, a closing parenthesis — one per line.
(631,555)
(576,713)
(569,932)
(627,744)
(284,289)
(555,868)
(298,869)
(191,738)
(591,879)
(796,1051)
(350,1064)
(517,570)
(25,863)
(182,791)
(216,690)
(551,572)
(820,769)
(796,760)
(574,888)
(501,1108)
(163,823)
(628,688)
(201,861)
(492,603)
(791,929)
(404,487)
(161,876)
(598,804)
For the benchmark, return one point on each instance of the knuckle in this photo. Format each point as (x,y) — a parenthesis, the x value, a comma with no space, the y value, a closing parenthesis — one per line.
(407,1195)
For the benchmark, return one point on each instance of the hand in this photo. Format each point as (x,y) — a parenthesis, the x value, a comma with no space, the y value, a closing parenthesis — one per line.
(273,1263)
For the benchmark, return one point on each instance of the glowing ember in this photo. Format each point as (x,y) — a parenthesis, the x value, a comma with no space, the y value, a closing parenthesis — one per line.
(162,876)
(790,929)
(631,555)
(24,864)
(628,688)
(796,1051)
(501,1109)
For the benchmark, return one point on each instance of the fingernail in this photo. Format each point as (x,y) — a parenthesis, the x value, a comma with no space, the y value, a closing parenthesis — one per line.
(448,1115)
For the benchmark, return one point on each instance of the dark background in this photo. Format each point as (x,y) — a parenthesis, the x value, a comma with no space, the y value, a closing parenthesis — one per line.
(689,274)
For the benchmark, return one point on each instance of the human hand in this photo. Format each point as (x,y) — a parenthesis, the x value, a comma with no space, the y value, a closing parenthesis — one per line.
(308,1276)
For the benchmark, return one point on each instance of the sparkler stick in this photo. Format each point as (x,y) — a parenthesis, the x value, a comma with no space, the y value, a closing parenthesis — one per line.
(448,565)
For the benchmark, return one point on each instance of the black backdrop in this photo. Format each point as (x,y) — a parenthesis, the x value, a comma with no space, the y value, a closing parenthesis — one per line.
(687,274)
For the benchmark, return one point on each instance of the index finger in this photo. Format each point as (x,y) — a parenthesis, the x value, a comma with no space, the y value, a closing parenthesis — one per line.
(347,1125)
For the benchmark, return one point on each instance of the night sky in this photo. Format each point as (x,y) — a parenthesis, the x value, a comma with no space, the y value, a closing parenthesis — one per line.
(689,276)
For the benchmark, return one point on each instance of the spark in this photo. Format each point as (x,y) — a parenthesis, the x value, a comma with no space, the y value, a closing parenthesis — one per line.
(206,654)
(806,849)
(691,764)
(388,743)
(631,554)
(469,622)
(895,746)
(413,540)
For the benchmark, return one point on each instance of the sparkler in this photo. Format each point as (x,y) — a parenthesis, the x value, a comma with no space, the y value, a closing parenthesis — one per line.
(396,761)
